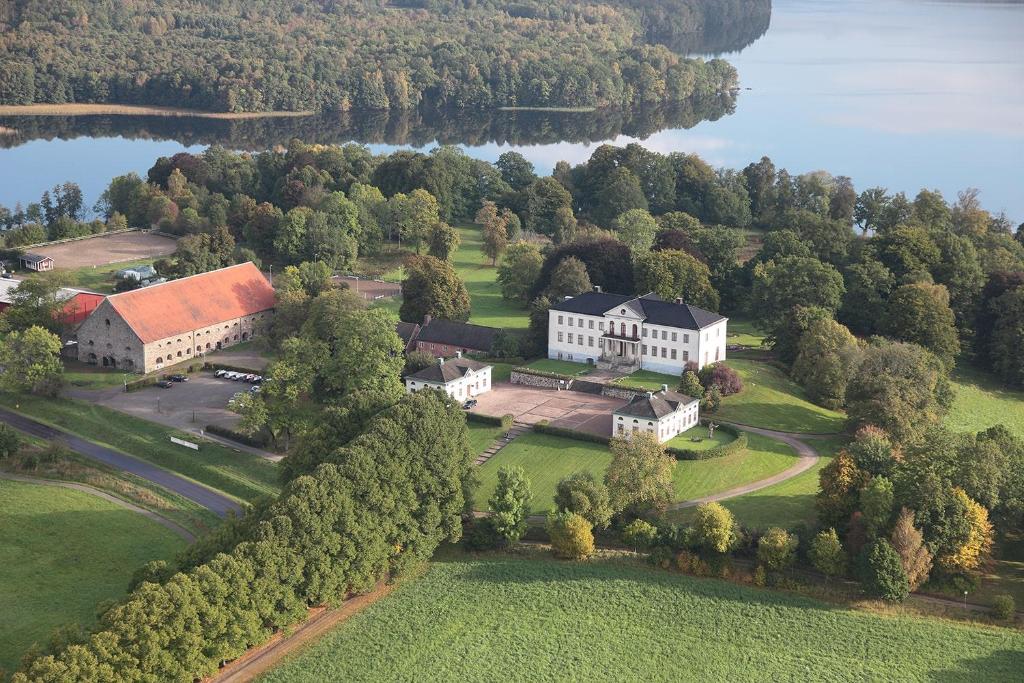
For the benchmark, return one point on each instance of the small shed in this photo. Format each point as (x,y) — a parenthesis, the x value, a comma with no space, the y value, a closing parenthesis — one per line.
(36,262)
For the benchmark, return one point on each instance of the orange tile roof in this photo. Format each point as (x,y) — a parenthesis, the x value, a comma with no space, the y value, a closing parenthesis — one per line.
(180,306)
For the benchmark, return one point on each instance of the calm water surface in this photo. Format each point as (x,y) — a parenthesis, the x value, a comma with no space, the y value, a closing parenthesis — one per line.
(899,93)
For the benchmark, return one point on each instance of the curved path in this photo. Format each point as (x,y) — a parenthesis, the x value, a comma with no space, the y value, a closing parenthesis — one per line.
(217,503)
(85,488)
(807,457)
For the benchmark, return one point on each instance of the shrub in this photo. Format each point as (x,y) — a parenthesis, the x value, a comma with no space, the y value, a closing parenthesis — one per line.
(826,553)
(581,493)
(10,441)
(639,533)
(715,528)
(760,577)
(722,376)
(712,400)
(686,561)
(690,385)
(1004,607)
(571,535)
(511,503)
(776,548)
(882,574)
(479,534)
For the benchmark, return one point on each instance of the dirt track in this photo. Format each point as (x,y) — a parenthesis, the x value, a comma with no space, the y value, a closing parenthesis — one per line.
(105,249)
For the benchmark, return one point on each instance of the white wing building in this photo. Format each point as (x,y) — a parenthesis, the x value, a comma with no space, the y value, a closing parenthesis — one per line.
(630,333)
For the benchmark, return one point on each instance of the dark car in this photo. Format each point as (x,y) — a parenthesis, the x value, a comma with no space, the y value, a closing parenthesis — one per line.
(165,384)
(469,404)
(178,378)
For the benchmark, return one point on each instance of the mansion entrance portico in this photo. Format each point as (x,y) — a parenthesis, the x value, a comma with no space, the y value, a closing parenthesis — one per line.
(620,347)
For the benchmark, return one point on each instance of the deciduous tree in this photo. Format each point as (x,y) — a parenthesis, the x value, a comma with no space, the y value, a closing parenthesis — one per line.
(639,478)
(510,503)
(432,287)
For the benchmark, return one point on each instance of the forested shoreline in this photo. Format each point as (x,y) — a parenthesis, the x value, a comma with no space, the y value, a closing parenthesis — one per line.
(341,55)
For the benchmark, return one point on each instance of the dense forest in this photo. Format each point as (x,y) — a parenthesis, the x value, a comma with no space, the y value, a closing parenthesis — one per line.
(229,55)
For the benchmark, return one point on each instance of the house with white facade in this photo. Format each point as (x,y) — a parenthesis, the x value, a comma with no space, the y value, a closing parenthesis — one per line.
(461,378)
(665,414)
(630,333)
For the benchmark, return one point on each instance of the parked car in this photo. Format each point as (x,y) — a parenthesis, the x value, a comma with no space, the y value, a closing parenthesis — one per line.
(178,378)
(165,384)
(255,388)
(238,376)
(250,378)
(220,373)
(469,404)
(258,379)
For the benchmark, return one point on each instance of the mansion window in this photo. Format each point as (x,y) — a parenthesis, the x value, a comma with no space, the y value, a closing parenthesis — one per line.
(570,337)
(686,339)
(590,324)
(673,354)
(580,321)
(663,348)
(570,322)
(559,336)
(560,321)
(664,335)
(600,326)
(686,355)
(645,331)
(590,341)
(643,349)
(654,351)
(673,336)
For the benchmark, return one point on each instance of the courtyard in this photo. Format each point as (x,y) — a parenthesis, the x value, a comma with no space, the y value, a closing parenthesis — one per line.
(568,409)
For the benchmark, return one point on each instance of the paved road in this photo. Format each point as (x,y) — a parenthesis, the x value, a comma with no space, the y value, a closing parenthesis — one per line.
(208,498)
(85,488)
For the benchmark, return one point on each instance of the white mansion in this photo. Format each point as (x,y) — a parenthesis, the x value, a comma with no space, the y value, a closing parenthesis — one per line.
(632,333)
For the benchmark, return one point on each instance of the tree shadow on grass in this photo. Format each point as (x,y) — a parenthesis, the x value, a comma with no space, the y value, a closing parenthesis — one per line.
(1001,665)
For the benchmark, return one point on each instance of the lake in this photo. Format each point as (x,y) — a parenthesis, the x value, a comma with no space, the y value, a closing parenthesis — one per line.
(903,94)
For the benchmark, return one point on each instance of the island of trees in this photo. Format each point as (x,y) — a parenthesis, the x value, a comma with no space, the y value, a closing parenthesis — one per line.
(370,54)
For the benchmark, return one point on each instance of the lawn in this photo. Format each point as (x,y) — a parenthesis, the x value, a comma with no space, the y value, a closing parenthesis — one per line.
(100,278)
(786,504)
(487,307)
(645,379)
(61,553)
(546,459)
(685,440)
(981,401)
(237,473)
(742,331)
(562,367)
(497,618)
(500,372)
(481,436)
(85,376)
(771,400)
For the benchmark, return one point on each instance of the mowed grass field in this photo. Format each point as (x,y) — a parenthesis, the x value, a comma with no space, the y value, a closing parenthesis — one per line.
(100,278)
(487,307)
(546,459)
(773,401)
(982,401)
(61,553)
(236,473)
(499,618)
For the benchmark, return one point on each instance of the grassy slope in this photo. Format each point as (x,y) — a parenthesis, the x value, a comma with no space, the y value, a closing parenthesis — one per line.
(61,553)
(771,400)
(646,379)
(236,473)
(981,401)
(546,459)
(502,618)
(487,307)
(481,436)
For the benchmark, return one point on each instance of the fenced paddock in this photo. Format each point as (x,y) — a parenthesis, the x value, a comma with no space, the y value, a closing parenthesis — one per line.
(105,249)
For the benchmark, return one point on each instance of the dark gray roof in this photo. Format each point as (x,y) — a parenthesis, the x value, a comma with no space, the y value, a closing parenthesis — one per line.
(464,335)
(655,310)
(406,331)
(34,258)
(656,406)
(451,370)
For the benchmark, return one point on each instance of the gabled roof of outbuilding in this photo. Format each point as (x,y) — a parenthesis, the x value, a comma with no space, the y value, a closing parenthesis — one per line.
(203,300)
(449,371)
(452,333)
(655,406)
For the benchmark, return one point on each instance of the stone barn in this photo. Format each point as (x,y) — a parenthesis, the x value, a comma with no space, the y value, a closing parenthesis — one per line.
(147,329)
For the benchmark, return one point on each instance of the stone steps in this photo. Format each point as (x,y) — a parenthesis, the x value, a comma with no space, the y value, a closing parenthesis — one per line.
(517,429)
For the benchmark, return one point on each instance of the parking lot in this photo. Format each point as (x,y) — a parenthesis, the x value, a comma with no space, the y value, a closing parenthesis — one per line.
(569,409)
(188,406)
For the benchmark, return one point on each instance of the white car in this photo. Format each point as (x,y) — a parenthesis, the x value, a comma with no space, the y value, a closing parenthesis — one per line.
(220,373)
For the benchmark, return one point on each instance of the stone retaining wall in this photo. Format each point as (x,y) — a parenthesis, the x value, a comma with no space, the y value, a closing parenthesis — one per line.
(529,380)
(620,392)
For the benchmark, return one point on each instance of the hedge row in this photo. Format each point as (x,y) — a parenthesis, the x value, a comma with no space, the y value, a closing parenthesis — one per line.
(505,421)
(256,440)
(543,373)
(737,444)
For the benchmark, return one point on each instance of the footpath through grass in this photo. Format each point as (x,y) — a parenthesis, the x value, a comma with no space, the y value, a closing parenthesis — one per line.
(236,473)
(62,552)
(503,618)
(773,401)
(546,459)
